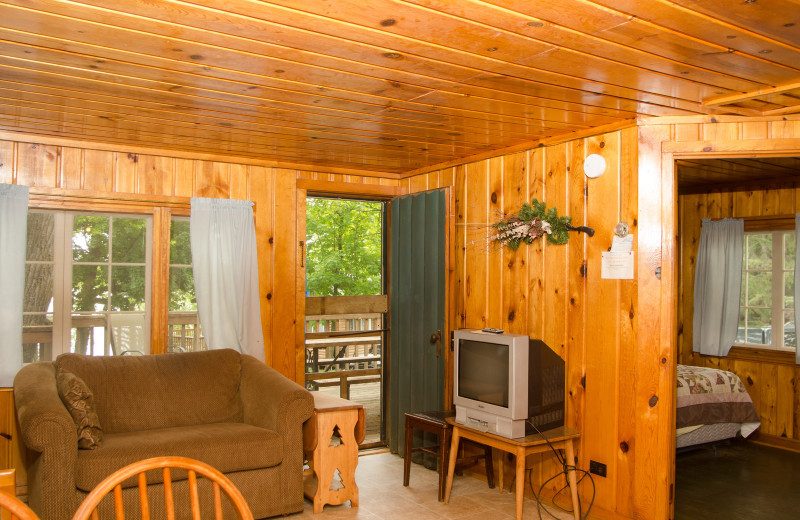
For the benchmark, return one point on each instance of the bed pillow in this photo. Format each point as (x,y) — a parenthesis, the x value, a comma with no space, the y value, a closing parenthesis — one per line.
(79,401)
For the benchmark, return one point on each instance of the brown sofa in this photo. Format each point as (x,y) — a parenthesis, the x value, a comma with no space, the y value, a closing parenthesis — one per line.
(223,408)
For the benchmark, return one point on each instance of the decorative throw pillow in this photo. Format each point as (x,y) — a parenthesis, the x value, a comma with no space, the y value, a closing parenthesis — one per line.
(79,401)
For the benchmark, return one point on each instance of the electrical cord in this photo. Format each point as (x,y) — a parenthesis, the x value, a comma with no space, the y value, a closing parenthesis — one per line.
(565,469)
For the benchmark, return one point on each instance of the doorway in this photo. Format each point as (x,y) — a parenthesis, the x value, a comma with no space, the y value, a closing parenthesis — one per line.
(346,304)
(760,190)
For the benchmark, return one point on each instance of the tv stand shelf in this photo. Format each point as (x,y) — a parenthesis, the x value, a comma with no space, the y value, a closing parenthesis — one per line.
(561,438)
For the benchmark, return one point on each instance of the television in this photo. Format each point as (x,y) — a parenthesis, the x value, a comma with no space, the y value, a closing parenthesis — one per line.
(505,383)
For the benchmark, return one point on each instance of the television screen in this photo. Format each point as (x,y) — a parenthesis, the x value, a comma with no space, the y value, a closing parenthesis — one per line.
(483,372)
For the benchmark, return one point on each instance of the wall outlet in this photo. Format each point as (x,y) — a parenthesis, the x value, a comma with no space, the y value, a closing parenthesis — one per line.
(598,468)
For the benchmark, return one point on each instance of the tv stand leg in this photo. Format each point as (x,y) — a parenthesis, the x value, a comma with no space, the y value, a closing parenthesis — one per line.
(520,477)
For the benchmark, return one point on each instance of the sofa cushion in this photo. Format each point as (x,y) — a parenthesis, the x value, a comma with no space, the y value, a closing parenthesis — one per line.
(228,447)
(78,400)
(133,393)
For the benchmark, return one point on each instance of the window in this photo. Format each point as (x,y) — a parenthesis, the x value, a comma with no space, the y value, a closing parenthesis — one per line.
(87,285)
(766,311)
(185,334)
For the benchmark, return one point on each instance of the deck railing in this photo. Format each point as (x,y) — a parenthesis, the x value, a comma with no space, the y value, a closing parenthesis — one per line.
(342,350)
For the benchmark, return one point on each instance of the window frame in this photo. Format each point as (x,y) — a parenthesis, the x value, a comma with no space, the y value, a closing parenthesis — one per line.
(63,262)
(755,353)
(777,272)
(162,209)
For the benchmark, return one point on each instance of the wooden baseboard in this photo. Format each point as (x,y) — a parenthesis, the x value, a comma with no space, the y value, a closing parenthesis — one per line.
(775,441)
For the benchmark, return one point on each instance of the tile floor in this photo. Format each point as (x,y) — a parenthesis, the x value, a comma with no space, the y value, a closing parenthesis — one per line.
(383,497)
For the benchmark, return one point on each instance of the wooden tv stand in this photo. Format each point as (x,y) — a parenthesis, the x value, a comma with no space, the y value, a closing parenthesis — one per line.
(560,438)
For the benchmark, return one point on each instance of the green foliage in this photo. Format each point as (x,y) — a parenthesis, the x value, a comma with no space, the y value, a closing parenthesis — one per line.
(535,215)
(181,282)
(344,247)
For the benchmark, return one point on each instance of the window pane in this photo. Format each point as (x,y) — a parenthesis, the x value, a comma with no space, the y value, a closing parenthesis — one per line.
(90,239)
(181,289)
(127,288)
(759,251)
(128,240)
(788,290)
(88,334)
(789,335)
(41,228)
(759,326)
(38,287)
(89,287)
(37,337)
(788,251)
(180,247)
(759,289)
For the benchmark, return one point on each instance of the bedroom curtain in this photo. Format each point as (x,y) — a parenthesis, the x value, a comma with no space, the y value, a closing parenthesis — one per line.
(225,267)
(796,285)
(717,286)
(13,236)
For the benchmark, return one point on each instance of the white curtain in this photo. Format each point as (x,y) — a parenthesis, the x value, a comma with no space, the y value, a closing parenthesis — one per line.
(718,286)
(796,285)
(225,270)
(13,237)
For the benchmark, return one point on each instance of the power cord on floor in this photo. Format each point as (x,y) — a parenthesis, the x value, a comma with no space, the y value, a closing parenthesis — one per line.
(565,469)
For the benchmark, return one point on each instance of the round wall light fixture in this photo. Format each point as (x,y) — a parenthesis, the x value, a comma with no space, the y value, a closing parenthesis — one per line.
(594,165)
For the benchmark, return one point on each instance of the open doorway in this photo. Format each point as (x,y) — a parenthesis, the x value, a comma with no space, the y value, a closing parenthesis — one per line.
(749,478)
(346,304)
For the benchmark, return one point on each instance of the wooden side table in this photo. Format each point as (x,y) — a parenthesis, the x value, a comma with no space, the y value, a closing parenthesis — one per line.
(330,443)
(560,438)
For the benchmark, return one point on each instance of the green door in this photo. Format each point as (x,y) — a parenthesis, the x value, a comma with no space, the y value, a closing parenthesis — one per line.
(417,310)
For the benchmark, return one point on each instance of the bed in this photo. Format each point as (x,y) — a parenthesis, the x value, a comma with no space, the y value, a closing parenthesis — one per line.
(713,405)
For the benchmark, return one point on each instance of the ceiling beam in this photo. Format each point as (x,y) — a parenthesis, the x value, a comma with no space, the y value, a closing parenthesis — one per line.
(745,96)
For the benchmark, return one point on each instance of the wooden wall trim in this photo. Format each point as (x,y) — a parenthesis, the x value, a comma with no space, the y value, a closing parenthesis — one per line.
(700,119)
(168,152)
(734,148)
(63,198)
(775,441)
(349,189)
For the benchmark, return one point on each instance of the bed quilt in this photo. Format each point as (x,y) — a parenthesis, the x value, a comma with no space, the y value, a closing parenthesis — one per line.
(711,396)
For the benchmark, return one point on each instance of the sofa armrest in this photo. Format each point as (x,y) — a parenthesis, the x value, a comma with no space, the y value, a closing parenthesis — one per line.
(43,419)
(48,430)
(270,399)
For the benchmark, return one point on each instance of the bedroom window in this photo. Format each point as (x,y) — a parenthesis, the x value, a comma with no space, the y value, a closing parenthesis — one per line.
(766,311)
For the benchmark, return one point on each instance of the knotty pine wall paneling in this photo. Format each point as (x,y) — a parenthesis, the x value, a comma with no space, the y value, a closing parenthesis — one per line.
(540,289)
(133,177)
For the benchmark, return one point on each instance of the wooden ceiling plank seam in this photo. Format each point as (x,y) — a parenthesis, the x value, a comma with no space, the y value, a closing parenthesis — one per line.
(713,20)
(233,131)
(184,93)
(782,111)
(606,41)
(382,156)
(252,84)
(230,117)
(262,20)
(631,92)
(279,101)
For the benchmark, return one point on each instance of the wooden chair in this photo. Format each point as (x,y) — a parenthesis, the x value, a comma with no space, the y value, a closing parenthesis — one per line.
(13,508)
(113,484)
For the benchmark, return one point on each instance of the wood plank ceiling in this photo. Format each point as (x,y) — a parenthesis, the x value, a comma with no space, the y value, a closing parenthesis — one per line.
(383,87)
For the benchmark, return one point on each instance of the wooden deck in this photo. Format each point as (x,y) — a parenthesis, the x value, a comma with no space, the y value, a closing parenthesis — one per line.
(369,395)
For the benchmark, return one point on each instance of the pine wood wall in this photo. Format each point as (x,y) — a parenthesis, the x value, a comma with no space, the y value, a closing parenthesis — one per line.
(540,290)
(68,171)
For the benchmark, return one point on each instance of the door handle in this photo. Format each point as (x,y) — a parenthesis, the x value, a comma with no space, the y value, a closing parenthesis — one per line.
(436,339)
